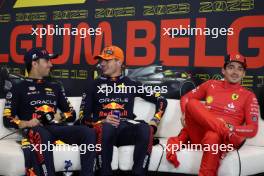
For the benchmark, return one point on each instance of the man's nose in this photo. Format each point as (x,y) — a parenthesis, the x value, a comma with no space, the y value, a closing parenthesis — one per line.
(237,70)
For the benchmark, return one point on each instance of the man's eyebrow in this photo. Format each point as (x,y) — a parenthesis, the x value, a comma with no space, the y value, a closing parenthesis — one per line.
(230,65)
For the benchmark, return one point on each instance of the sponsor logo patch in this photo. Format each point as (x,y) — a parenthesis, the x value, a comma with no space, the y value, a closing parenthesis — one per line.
(234,96)
(209,99)
(254,118)
(9,95)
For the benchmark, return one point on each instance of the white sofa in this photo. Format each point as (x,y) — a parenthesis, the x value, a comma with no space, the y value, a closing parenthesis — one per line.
(247,161)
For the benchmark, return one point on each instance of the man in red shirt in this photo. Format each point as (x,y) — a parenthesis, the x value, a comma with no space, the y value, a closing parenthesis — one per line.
(229,115)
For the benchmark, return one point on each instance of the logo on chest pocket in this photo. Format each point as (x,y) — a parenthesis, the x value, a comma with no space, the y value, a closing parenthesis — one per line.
(234,96)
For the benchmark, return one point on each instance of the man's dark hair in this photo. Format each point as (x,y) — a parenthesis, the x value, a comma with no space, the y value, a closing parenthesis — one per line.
(28,67)
(35,54)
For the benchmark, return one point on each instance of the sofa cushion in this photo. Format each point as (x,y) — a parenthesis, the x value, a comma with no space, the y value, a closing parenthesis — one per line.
(170,124)
(252,158)
(258,140)
(3,131)
(190,162)
(12,158)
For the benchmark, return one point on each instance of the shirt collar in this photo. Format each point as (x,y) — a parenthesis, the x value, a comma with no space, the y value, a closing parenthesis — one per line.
(229,85)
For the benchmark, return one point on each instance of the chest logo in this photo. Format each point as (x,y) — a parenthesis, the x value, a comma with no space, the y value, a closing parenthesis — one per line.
(231,106)
(254,118)
(234,96)
(157,94)
(209,99)
(9,95)
(32,88)
(121,86)
(113,105)
(48,89)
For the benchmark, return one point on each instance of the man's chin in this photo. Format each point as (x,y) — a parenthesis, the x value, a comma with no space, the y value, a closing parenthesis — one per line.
(234,81)
(105,73)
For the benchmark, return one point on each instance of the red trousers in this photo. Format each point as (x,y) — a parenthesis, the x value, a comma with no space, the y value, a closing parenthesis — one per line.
(205,128)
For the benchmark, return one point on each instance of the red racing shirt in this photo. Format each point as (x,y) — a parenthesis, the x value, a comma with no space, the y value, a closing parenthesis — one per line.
(232,102)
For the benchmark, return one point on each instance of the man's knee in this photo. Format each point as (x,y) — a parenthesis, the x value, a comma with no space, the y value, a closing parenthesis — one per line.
(143,131)
(39,133)
(192,104)
(87,132)
(211,138)
(108,131)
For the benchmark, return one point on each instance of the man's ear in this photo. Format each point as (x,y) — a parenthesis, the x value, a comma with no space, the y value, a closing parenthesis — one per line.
(223,71)
(34,64)
(119,63)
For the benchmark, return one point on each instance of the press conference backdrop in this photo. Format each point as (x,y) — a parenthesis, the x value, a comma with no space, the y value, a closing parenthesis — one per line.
(184,35)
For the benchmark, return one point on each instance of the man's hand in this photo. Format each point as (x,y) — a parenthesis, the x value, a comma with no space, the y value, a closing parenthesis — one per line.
(112,119)
(29,124)
(183,120)
(57,117)
(34,122)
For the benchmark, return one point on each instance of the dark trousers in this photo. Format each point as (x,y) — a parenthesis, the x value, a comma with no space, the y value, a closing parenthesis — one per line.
(43,160)
(139,135)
